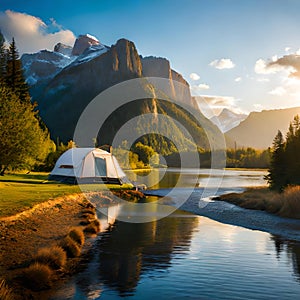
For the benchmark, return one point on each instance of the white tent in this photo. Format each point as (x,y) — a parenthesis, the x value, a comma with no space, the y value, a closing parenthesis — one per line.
(88,165)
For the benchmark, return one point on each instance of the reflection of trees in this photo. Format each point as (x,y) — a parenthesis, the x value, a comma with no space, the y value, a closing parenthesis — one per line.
(293,252)
(132,249)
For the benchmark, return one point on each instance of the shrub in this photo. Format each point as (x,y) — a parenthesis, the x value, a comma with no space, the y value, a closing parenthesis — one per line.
(71,247)
(37,277)
(55,257)
(93,227)
(77,235)
(290,202)
(5,291)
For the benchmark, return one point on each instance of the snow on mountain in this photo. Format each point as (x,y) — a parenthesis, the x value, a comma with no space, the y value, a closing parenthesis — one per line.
(63,49)
(227,119)
(83,42)
(90,53)
(43,65)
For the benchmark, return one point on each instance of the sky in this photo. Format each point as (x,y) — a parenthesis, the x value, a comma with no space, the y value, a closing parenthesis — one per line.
(238,54)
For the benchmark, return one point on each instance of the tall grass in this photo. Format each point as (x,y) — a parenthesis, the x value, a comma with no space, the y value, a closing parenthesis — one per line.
(37,277)
(5,292)
(55,257)
(71,247)
(77,235)
(290,201)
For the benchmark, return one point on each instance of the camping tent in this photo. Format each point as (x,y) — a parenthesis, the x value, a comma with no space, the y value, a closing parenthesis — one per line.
(87,165)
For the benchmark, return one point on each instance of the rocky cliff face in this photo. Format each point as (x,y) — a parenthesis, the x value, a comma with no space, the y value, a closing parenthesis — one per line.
(63,49)
(64,90)
(160,67)
(83,42)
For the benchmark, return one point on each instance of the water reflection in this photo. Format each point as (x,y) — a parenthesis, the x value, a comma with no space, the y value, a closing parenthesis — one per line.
(291,249)
(132,249)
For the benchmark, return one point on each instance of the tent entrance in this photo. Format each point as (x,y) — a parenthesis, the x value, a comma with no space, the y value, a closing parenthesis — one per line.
(100,167)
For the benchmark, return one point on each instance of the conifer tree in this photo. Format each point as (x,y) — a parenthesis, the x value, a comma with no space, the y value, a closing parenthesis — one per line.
(14,73)
(3,58)
(277,172)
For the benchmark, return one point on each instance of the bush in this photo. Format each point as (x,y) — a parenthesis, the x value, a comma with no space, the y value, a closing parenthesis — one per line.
(37,277)
(71,247)
(77,235)
(290,202)
(55,257)
(93,227)
(5,291)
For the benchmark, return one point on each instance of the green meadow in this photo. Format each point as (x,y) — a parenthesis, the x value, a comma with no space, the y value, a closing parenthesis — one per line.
(21,191)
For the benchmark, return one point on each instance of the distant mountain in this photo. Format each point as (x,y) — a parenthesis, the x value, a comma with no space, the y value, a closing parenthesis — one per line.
(259,128)
(227,119)
(63,83)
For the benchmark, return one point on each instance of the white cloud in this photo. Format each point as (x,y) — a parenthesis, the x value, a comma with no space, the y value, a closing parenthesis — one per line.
(223,63)
(238,79)
(263,79)
(258,106)
(203,86)
(287,49)
(278,91)
(211,105)
(31,33)
(261,67)
(194,76)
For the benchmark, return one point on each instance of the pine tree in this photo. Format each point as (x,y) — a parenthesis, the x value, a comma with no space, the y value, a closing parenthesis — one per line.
(3,58)
(277,177)
(14,73)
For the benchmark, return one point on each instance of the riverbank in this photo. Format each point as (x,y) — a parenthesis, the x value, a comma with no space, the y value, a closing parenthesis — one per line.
(47,225)
(286,204)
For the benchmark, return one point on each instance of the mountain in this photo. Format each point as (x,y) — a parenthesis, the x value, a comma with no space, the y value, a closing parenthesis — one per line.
(227,119)
(63,84)
(259,128)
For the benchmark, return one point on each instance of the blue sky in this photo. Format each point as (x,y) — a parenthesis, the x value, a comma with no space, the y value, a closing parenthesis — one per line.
(245,52)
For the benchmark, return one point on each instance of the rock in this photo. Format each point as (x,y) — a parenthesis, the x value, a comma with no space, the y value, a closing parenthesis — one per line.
(83,42)
(63,49)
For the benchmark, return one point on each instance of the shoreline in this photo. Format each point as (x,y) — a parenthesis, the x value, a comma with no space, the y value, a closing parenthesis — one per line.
(43,226)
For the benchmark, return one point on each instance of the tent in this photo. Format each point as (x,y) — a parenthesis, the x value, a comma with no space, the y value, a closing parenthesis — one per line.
(88,165)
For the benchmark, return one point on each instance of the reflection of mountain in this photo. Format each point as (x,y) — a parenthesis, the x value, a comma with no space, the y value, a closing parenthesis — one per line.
(130,250)
(293,252)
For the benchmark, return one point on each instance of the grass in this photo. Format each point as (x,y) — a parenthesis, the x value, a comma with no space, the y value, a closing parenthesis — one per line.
(77,235)
(286,204)
(71,247)
(37,277)
(93,227)
(21,191)
(55,257)
(5,292)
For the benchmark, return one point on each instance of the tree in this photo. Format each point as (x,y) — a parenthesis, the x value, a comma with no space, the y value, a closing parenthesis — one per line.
(23,142)
(14,73)
(3,58)
(277,178)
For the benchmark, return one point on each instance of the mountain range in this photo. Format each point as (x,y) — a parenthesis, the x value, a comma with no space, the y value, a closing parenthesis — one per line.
(259,128)
(228,119)
(64,81)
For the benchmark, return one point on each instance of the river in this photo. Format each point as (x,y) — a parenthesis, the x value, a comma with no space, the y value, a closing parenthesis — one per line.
(192,254)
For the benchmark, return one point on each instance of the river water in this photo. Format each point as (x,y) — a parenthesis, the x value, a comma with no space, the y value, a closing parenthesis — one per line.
(187,254)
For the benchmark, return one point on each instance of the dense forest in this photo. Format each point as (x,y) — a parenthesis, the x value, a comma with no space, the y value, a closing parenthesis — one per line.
(285,158)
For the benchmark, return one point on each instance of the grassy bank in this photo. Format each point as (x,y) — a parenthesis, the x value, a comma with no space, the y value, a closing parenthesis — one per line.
(19,192)
(286,204)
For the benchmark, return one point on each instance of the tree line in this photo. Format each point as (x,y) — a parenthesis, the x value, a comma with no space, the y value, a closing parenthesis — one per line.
(285,158)
(24,139)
